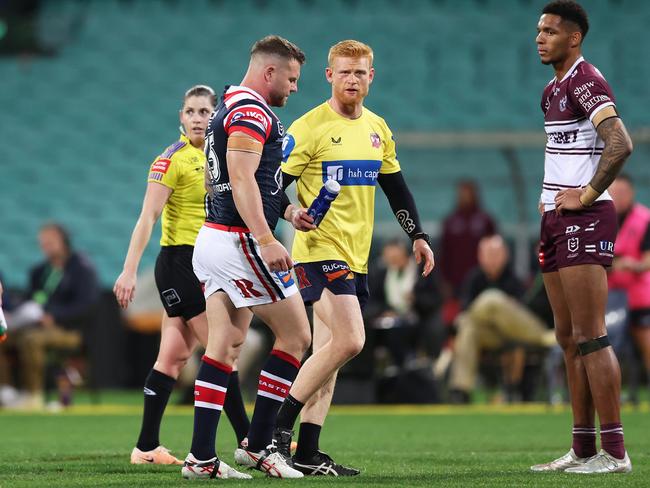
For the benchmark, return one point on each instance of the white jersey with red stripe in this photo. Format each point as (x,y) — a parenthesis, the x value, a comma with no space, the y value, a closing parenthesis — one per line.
(228,259)
(573,147)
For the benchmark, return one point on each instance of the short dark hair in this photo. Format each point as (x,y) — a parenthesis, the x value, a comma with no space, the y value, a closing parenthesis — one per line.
(278,46)
(201,91)
(571,12)
(61,230)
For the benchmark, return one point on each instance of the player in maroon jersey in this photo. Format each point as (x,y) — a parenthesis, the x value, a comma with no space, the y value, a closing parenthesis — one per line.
(587,146)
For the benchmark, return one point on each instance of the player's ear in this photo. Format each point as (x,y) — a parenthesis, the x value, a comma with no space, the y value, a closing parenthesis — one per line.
(576,39)
(268,72)
(328,74)
(371,75)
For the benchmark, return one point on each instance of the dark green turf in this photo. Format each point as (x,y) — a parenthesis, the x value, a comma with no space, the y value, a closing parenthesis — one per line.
(480,448)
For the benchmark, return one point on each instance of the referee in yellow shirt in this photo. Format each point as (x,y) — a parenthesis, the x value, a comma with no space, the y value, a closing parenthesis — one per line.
(175,189)
(341,140)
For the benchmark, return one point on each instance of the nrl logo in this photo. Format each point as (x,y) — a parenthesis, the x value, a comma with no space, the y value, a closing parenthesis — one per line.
(563,101)
(375,140)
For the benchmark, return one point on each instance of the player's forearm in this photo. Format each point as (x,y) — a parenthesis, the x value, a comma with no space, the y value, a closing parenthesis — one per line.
(248,200)
(618,147)
(139,240)
(401,202)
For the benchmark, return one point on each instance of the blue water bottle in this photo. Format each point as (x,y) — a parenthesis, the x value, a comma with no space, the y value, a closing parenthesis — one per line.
(322,202)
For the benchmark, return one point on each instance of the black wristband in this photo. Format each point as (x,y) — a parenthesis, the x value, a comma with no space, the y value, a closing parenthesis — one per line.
(421,235)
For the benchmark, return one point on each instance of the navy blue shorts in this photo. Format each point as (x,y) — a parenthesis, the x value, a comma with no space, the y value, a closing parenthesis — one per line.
(336,276)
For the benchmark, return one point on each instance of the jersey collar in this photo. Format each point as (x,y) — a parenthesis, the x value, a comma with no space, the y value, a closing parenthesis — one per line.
(572,69)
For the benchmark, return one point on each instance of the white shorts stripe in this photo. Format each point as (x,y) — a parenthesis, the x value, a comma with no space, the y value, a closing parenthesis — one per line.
(270,395)
(212,406)
(212,386)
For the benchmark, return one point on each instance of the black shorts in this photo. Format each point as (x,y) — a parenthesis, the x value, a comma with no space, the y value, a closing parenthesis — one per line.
(640,317)
(336,276)
(180,290)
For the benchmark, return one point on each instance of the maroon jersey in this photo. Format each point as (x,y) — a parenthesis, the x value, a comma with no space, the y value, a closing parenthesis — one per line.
(573,147)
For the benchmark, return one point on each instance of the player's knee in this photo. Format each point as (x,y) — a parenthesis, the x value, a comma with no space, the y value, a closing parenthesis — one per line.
(352,346)
(565,340)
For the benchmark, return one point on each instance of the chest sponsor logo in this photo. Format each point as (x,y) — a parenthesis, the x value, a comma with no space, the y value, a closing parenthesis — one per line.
(336,141)
(362,172)
(375,140)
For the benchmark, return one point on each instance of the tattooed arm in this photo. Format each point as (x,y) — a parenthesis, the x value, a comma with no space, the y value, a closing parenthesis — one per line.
(618,147)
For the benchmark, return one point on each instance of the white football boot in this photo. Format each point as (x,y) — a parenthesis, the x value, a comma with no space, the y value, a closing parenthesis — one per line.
(603,462)
(212,468)
(267,461)
(569,460)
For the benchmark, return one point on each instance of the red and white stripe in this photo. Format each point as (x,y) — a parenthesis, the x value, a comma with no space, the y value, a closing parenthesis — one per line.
(272,386)
(209,395)
(236,94)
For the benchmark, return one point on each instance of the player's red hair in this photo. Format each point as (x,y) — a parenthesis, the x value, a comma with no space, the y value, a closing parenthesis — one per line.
(350,49)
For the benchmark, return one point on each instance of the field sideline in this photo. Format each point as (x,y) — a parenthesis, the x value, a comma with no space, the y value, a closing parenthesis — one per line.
(443,446)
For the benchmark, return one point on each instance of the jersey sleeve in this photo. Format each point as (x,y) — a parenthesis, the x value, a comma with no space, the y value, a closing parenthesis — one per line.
(389,163)
(297,148)
(591,94)
(164,171)
(250,118)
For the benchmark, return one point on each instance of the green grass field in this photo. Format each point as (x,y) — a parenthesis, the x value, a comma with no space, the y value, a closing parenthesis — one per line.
(395,446)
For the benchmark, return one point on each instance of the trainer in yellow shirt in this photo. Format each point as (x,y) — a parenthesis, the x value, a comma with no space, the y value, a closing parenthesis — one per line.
(181,169)
(341,140)
(324,145)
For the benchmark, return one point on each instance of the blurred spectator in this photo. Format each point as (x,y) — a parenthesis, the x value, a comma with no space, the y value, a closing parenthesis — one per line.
(631,267)
(403,304)
(61,292)
(494,316)
(461,233)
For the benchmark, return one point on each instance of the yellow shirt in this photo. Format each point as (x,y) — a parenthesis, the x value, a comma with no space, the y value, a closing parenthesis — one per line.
(181,168)
(321,145)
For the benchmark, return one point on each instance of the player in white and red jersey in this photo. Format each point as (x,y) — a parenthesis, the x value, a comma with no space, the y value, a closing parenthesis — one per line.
(587,146)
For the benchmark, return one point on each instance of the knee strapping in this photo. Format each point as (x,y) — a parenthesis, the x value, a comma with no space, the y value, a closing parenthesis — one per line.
(593,345)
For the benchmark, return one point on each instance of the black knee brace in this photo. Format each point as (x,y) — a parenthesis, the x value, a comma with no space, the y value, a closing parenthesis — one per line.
(593,345)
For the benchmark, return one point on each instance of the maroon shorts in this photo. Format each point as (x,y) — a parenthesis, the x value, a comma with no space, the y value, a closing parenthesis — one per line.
(584,237)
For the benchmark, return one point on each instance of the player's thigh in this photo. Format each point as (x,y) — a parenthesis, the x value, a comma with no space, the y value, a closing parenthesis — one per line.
(342,314)
(199,327)
(177,341)
(560,307)
(226,323)
(585,291)
(321,335)
(286,318)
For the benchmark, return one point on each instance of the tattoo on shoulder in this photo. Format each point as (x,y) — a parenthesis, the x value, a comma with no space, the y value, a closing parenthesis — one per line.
(618,146)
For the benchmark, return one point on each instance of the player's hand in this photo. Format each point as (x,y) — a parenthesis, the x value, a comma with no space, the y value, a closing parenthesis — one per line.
(541,207)
(423,254)
(568,200)
(124,288)
(301,220)
(276,257)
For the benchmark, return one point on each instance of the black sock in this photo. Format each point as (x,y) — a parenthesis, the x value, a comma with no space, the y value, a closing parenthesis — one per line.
(288,413)
(157,388)
(210,390)
(276,378)
(308,441)
(234,408)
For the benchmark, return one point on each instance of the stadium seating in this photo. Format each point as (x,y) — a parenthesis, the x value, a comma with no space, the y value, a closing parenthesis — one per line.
(80,128)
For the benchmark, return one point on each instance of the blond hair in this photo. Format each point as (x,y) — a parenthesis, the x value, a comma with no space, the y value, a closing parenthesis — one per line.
(349,49)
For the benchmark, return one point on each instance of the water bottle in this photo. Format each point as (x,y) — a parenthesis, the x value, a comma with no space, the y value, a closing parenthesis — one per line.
(322,202)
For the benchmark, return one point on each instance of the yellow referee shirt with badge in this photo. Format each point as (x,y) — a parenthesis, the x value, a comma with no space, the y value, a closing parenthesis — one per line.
(181,168)
(323,145)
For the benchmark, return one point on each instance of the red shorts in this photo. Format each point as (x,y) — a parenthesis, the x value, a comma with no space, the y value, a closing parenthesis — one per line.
(584,237)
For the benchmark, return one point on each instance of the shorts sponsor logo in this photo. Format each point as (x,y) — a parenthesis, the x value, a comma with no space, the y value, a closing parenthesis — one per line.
(573,244)
(171,297)
(337,274)
(592,227)
(590,247)
(285,278)
(246,288)
(375,140)
(161,165)
(331,267)
(572,229)
(606,248)
(352,172)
